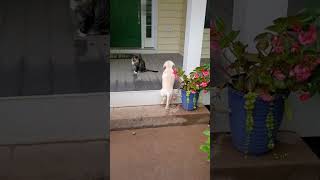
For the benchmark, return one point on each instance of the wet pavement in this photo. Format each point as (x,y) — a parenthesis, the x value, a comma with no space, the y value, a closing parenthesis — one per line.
(164,153)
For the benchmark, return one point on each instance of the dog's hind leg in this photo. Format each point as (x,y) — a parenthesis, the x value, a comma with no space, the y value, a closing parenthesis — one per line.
(168,101)
(163,99)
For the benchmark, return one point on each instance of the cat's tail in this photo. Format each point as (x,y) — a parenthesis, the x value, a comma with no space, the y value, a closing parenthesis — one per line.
(149,70)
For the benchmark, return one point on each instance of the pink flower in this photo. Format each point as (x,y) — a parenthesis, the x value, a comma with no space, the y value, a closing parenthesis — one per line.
(204,84)
(277,44)
(175,72)
(297,28)
(279,75)
(276,41)
(308,37)
(196,75)
(205,91)
(304,96)
(291,73)
(193,92)
(302,73)
(266,96)
(205,73)
(295,48)
(279,49)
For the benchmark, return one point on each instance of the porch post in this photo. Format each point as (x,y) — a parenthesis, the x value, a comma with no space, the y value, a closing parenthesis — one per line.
(196,11)
(252,16)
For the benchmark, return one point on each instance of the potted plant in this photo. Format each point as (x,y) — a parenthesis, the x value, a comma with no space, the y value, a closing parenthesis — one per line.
(192,84)
(286,60)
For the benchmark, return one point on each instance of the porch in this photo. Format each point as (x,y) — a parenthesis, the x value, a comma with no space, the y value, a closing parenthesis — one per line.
(123,79)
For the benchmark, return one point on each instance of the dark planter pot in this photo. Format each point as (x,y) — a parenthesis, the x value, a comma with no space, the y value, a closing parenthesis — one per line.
(189,103)
(258,138)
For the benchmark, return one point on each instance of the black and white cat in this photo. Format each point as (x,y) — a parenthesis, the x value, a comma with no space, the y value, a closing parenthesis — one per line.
(138,65)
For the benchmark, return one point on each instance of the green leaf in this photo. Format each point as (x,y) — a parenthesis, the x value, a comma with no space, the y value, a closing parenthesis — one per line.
(224,42)
(265,79)
(310,51)
(233,35)
(251,83)
(265,35)
(293,20)
(262,44)
(205,148)
(252,57)
(239,48)
(206,132)
(279,84)
(278,28)
(220,24)
(230,37)
(287,109)
(280,20)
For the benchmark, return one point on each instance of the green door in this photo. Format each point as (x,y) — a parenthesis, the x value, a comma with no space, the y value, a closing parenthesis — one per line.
(125,23)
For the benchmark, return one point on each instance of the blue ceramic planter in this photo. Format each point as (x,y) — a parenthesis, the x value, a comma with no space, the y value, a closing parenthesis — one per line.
(258,143)
(190,104)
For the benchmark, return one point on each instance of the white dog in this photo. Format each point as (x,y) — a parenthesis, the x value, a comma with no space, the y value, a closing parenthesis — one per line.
(168,79)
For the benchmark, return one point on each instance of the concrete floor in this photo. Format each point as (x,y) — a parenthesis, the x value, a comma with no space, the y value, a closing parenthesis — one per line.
(168,153)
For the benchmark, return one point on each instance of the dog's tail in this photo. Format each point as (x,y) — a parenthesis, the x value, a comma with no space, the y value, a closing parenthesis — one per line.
(149,70)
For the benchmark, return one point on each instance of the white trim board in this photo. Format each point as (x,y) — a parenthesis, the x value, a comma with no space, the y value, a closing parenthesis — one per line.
(133,51)
(144,98)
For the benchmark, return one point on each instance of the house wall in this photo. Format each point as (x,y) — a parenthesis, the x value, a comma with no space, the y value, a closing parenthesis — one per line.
(171,27)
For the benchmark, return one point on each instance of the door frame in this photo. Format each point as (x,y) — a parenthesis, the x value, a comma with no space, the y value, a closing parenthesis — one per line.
(154,24)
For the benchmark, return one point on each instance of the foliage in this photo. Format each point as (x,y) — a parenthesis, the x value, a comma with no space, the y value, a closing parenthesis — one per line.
(198,80)
(205,147)
(286,57)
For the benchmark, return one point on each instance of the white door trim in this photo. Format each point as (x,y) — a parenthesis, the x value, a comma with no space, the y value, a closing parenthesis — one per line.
(154,24)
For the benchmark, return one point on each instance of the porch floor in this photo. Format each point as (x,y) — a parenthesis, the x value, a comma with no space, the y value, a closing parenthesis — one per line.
(123,79)
(169,153)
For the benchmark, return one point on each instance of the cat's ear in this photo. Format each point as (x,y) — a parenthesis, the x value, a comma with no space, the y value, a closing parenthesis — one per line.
(164,66)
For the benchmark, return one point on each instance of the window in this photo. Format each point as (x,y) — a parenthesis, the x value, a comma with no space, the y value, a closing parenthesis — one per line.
(148,18)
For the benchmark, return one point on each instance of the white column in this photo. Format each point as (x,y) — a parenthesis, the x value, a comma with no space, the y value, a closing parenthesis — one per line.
(252,16)
(196,11)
